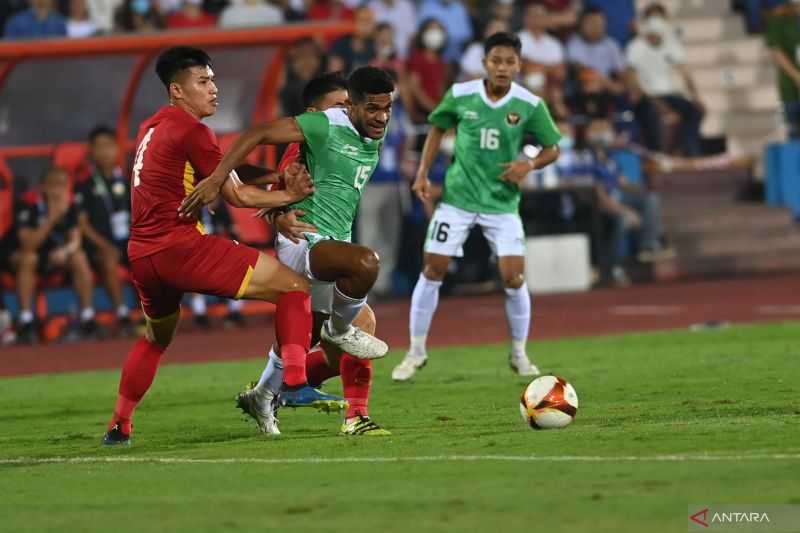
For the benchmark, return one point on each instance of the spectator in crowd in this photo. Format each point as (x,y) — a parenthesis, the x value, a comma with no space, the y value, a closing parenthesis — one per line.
(542,54)
(138,16)
(79,23)
(620,15)
(218,223)
(380,212)
(306,61)
(472,61)
(783,40)
(250,13)
(12,7)
(654,57)
(387,56)
(427,70)
(402,16)
(190,15)
(105,199)
(592,48)
(453,17)
(502,10)
(39,21)
(102,13)
(329,10)
(50,241)
(561,15)
(7,246)
(353,51)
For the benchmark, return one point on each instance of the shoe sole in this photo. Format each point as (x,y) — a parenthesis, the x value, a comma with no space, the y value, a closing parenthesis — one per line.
(323,406)
(382,350)
(517,372)
(111,444)
(367,434)
(240,404)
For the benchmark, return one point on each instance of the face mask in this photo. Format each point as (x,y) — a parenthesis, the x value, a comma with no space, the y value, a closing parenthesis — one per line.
(603,139)
(566,143)
(434,38)
(535,81)
(385,51)
(140,6)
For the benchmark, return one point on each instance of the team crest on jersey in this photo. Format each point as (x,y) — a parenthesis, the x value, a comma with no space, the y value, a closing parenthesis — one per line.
(512,119)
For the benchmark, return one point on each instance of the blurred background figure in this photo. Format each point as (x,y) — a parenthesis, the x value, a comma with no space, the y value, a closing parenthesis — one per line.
(305,61)
(402,16)
(250,13)
(190,15)
(783,40)
(353,51)
(80,23)
(105,199)
(427,70)
(138,16)
(40,20)
(50,242)
(454,19)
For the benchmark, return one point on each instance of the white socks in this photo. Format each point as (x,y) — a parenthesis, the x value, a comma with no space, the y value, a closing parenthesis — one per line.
(423,306)
(87,314)
(199,304)
(26,316)
(123,311)
(235,306)
(344,311)
(518,314)
(272,376)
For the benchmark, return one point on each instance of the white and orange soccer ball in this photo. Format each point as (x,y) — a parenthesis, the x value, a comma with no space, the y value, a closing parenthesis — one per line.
(548,402)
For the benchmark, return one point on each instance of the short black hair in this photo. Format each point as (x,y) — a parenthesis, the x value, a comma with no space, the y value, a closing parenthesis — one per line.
(502,39)
(655,9)
(99,131)
(368,80)
(318,87)
(177,59)
(591,10)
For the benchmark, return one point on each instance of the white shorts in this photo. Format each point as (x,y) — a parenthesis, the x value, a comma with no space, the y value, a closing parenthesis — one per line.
(296,257)
(450,227)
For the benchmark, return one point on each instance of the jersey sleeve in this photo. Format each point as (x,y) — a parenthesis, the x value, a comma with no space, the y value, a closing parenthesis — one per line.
(445,116)
(202,149)
(541,125)
(315,127)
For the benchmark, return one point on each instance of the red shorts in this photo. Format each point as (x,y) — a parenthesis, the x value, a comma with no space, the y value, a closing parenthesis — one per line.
(206,264)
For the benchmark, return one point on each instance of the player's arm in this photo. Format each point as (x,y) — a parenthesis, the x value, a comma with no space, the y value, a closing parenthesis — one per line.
(31,237)
(281,131)
(444,117)
(256,175)
(91,234)
(298,186)
(541,125)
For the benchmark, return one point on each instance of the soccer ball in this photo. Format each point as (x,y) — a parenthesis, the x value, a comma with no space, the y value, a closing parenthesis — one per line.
(548,402)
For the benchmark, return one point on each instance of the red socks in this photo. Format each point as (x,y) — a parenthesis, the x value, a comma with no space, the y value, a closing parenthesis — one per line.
(356,380)
(137,375)
(317,368)
(293,331)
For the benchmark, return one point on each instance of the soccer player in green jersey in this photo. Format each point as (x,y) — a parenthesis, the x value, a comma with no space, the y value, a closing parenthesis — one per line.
(482,187)
(340,148)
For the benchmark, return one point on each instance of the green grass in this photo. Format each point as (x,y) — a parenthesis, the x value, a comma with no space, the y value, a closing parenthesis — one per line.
(731,392)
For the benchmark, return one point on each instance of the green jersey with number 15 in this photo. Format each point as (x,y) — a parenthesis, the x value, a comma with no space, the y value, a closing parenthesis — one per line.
(341,162)
(489,134)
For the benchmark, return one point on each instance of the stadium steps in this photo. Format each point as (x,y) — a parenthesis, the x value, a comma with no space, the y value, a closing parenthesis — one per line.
(715,233)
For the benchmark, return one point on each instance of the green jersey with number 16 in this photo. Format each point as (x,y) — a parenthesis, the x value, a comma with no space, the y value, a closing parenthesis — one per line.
(341,162)
(489,134)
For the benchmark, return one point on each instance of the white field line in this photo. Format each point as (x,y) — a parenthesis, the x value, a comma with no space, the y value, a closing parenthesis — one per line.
(646,310)
(410,459)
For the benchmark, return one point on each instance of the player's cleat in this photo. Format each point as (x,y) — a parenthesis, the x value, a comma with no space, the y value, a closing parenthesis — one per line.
(115,437)
(362,425)
(261,409)
(522,366)
(356,342)
(308,396)
(408,367)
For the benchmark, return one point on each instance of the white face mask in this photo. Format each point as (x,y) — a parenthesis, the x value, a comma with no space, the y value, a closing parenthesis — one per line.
(603,138)
(566,143)
(433,38)
(535,81)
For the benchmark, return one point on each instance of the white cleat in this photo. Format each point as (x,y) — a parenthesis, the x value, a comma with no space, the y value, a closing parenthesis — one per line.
(261,407)
(522,366)
(408,367)
(357,343)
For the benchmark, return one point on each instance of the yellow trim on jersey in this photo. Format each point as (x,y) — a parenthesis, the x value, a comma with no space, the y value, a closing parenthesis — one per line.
(245,282)
(188,187)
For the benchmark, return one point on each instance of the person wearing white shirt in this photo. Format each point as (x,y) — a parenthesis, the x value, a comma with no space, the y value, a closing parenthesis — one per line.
(402,15)
(250,13)
(79,23)
(654,58)
(542,54)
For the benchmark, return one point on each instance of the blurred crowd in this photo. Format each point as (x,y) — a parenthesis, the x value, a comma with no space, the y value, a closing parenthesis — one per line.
(615,81)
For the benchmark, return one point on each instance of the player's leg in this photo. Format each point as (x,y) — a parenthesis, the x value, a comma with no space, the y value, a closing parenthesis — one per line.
(161,307)
(353,270)
(78,265)
(108,260)
(447,231)
(25,264)
(506,236)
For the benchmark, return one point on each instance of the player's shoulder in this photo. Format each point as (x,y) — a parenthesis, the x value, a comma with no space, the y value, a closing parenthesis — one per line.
(519,92)
(338,117)
(467,88)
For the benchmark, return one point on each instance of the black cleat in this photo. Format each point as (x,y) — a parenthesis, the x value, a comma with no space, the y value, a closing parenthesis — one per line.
(26,333)
(115,437)
(89,329)
(202,321)
(234,319)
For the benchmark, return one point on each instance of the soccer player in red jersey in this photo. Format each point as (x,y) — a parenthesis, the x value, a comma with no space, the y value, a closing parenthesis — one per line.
(171,255)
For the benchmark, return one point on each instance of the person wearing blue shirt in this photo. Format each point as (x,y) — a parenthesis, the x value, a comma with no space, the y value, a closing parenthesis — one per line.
(454,17)
(41,20)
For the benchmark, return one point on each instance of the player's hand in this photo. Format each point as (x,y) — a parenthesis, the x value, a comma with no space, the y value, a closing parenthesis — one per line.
(57,208)
(515,171)
(290,227)
(298,181)
(59,256)
(632,219)
(422,187)
(203,194)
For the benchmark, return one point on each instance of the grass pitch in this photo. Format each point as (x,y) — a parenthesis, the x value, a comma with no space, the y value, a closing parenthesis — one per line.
(666,420)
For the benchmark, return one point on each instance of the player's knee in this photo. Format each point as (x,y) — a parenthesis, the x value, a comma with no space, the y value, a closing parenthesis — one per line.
(368,264)
(27,261)
(434,271)
(78,260)
(161,331)
(514,280)
(366,320)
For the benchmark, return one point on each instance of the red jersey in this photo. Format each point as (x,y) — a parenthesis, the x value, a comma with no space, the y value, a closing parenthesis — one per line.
(174,152)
